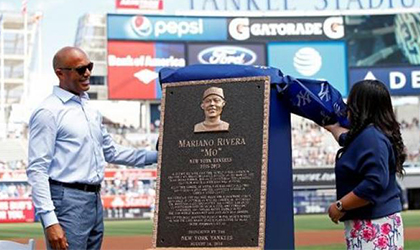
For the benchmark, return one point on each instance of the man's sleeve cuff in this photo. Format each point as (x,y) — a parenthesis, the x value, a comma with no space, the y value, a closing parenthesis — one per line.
(151,157)
(49,218)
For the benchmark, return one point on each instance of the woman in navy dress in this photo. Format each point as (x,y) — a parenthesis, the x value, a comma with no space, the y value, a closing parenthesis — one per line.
(372,154)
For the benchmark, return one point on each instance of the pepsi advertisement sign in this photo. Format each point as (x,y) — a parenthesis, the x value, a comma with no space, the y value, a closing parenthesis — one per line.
(313,60)
(165,28)
(240,54)
(399,80)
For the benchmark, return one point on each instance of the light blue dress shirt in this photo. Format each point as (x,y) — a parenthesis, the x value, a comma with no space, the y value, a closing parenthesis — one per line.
(68,143)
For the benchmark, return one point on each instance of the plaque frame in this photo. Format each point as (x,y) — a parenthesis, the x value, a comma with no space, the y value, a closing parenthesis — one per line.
(264,159)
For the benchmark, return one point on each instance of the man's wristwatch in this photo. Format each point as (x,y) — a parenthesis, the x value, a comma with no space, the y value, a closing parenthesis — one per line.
(339,206)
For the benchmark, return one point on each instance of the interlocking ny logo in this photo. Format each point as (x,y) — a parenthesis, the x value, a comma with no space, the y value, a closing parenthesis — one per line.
(325,118)
(324,92)
(303,98)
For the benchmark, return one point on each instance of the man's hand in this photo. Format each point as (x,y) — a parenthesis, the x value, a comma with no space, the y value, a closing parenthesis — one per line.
(334,213)
(56,237)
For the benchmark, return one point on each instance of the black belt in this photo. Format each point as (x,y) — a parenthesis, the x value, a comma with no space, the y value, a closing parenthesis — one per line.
(80,186)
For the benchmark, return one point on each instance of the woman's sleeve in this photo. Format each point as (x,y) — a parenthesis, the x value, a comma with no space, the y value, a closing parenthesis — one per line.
(341,139)
(373,164)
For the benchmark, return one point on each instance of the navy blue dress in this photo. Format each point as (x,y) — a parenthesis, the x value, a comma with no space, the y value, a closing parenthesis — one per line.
(367,167)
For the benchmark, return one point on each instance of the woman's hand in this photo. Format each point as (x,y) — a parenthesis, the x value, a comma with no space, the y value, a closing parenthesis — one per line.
(336,130)
(334,213)
(348,202)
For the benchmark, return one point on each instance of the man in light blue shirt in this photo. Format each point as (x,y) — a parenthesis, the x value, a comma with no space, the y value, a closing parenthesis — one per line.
(68,150)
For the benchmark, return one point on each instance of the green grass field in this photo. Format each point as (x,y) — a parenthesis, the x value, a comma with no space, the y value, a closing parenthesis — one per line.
(140,227)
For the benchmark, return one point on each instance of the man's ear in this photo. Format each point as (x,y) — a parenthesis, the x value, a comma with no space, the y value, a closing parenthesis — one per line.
(202,106)
(59,73)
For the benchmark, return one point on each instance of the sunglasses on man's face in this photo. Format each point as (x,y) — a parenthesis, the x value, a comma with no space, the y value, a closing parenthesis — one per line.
(82,69)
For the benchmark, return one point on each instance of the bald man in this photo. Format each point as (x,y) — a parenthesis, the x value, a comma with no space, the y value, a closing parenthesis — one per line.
(68,150)
(212,104)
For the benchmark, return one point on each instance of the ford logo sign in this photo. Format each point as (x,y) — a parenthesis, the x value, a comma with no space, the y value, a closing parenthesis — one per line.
(227,55)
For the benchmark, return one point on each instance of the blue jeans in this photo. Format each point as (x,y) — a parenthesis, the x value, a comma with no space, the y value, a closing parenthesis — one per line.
(80,215)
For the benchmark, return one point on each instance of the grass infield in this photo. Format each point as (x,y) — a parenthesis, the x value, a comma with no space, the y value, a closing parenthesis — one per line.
(144,227)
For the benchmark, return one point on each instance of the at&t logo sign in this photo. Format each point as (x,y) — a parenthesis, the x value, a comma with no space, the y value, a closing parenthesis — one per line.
(307,61)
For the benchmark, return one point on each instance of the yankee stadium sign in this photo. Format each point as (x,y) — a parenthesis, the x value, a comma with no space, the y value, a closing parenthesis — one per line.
(262,29)
(275,6)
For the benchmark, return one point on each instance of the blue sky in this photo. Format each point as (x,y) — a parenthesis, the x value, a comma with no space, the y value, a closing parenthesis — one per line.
(59,23)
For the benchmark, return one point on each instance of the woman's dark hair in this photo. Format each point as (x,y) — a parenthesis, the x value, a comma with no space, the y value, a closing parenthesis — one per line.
(369,102)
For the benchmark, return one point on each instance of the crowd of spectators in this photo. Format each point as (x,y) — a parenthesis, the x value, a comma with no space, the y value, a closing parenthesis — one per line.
(122,135)
(14,190)
(410,131)
(12,165)
(312,146)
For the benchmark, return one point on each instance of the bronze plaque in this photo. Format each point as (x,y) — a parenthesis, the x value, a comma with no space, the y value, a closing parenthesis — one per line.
(212,166)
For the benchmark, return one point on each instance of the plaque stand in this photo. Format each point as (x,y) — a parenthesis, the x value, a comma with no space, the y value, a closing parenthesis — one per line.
(191,213)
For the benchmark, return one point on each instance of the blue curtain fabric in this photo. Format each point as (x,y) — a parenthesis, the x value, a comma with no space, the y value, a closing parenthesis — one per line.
(316,100)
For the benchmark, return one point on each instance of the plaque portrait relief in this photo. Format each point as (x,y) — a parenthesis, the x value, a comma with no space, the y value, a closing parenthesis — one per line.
(212,104)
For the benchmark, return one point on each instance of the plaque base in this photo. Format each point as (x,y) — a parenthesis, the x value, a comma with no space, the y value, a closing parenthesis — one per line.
(205,248)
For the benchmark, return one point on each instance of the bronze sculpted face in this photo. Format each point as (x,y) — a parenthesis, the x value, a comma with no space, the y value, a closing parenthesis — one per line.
(212,104)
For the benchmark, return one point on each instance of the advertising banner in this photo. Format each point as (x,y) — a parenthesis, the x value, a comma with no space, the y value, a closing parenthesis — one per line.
(16,210)
(313,178)
(140,174)
(166,28)
(128,213)
(284,7)
(20,175)
(225,53)
(128,201)
(315,60)
(286,29)
(383,40)
(139,4)
(133,68)
(399,80)
(15,175)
